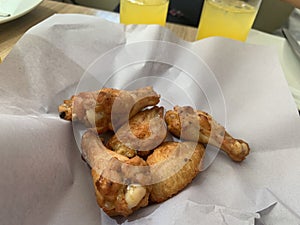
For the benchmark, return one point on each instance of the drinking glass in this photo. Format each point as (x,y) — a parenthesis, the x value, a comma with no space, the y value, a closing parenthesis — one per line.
(227,18)
(144,11)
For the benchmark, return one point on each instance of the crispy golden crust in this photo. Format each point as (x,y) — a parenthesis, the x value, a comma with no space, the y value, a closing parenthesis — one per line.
(108,108)
(65,109)
(113,176)
(174,165)
(145,131)
(111,196)
(95,153)
(189,124)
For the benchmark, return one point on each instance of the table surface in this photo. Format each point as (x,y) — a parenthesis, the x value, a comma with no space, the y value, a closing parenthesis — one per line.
(12,31)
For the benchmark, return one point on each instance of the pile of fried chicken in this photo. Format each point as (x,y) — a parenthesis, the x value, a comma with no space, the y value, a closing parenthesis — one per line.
(132,164)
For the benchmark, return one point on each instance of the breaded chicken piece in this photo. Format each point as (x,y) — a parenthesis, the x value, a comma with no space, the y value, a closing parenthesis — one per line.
(173,166)
(145,131)
(121,184)
(196,125)
(108,108)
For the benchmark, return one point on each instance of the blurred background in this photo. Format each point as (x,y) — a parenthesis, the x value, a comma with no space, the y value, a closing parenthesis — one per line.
(271,16)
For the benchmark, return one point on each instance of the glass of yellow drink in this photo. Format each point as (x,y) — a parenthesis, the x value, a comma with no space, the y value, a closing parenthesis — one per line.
(227,18)
(144,11)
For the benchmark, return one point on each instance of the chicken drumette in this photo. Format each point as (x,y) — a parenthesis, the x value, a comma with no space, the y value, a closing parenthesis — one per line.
(196,125)
(108,108)
(173,166)
(145,131)
(122,185)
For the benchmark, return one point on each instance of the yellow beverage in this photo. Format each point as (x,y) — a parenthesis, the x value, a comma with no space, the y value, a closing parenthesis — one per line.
(144,11)
(226,18)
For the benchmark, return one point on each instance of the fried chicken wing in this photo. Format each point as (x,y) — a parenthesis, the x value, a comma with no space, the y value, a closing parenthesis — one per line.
(189,124)
(145,131)
(173,166)
(120,183)
(108,108)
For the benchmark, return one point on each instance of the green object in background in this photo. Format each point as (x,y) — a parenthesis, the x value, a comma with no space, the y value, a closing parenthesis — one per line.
(109,5)
(272,15)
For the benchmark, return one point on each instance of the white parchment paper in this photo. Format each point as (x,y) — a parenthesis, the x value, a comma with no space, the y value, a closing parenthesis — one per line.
(43,179)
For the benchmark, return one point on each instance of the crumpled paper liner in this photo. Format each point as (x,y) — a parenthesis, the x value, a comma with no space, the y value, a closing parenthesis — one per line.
(44,181)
